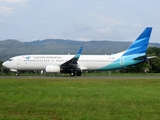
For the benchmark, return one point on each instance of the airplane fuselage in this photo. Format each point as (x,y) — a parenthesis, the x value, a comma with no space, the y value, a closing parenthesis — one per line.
(85,62)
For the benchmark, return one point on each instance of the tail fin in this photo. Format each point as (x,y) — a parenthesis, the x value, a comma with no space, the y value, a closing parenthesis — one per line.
(140,44)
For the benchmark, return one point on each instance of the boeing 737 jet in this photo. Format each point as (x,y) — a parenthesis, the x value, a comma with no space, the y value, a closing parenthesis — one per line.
(76,64)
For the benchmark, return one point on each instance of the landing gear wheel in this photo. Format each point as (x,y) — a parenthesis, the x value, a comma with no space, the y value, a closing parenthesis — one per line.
(78,73)
(72,74)
(17,74)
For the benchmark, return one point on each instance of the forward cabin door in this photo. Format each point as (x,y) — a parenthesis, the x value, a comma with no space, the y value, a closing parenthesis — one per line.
(18,61)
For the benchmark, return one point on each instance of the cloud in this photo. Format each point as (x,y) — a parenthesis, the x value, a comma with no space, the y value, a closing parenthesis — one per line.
(9,6)
(5,9)
(14,1)
(82,27)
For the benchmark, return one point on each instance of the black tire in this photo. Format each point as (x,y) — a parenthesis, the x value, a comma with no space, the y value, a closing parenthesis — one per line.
(72,74)
(17,74)
(79,74)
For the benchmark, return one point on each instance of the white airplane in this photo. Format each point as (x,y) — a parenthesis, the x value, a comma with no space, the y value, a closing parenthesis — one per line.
(76,64)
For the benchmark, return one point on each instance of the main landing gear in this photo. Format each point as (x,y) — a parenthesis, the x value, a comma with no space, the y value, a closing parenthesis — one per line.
(75,73)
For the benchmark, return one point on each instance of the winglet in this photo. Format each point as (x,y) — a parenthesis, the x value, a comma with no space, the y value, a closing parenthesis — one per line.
(78,53)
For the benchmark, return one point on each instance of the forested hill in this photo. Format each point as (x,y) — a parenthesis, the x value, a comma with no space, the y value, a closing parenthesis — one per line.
(9,48)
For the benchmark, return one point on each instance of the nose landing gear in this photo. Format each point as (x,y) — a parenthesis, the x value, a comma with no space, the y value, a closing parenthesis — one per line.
(17,74)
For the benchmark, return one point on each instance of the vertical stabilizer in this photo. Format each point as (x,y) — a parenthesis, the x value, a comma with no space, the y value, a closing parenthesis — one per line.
(140,45)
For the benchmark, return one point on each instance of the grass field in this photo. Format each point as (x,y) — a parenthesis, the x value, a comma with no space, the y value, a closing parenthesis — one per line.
(79,99)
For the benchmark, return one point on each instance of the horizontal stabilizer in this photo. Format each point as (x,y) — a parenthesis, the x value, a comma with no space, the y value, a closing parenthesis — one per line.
(151,57)
(144,57)
(140,57)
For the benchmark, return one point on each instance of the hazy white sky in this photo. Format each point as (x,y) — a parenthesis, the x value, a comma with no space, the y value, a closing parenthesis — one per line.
(117,20)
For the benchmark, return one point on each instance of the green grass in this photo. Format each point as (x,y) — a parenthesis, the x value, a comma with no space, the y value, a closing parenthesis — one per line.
(79,99)
(96,73)
(106,73)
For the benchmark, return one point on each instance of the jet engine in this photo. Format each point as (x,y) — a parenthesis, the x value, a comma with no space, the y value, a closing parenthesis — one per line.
(52,69)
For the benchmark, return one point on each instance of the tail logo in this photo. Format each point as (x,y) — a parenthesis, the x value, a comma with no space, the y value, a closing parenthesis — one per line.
(140,44)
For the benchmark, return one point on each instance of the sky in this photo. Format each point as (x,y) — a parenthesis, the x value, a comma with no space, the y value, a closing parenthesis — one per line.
(82,20)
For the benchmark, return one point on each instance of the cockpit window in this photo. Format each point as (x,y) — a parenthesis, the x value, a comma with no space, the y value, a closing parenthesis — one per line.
(10,60)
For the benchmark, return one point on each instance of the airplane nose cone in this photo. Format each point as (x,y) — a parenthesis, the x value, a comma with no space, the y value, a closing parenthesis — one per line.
(4,64)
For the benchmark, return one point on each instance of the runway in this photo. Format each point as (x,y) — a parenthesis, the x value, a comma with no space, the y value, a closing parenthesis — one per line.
(80,77)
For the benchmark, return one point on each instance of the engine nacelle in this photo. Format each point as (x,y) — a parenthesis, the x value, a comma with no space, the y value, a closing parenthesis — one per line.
(52,69)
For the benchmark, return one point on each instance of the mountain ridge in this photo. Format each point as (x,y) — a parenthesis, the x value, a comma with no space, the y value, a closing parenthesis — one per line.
(10,48)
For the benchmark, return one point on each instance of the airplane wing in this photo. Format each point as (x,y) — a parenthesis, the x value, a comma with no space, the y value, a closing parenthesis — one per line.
(72,65)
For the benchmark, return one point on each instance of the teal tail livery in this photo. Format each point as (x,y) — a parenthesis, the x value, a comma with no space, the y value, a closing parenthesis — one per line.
(76,64)
(139,46)
(135,54)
